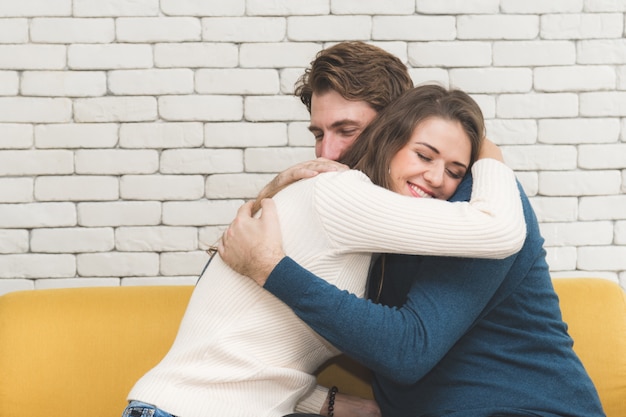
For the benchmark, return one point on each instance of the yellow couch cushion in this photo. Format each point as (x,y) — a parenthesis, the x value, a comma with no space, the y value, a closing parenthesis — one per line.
(77,352)
(595,311)
(347,374)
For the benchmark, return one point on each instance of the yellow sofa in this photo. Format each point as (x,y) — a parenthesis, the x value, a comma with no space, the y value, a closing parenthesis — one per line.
(77,352)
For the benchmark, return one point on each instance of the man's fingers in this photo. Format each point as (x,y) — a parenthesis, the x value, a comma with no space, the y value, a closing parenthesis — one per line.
(302,173)
(245,209)
(320,165)
(268,208)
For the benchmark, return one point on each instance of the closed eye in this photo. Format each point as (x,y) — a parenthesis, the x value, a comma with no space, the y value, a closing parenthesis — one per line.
(317,134)
(423,157)
(455,175)
(350,132)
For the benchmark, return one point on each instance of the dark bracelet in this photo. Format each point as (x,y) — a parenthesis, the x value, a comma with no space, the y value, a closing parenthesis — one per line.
(331,400)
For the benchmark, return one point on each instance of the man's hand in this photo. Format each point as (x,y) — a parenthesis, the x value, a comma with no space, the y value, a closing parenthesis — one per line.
(298,172)
(253,246)
(351,406)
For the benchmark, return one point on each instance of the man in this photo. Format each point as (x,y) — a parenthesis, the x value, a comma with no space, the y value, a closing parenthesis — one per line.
(456,337)
(344,88)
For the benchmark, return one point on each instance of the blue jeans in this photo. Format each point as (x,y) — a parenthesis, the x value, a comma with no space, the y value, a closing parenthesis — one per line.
(139,409)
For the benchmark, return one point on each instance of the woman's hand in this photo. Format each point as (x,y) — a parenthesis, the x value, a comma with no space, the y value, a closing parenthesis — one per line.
(253,246)
(488,149)
(298,172)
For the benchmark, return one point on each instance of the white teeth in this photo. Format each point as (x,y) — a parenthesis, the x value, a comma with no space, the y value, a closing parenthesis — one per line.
(419,191)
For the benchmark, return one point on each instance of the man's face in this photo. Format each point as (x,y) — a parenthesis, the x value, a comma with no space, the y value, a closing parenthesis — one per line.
(337,122)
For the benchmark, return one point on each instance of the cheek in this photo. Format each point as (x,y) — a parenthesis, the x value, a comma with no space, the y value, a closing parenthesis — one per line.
(346,142)
(450,188)
(395,165)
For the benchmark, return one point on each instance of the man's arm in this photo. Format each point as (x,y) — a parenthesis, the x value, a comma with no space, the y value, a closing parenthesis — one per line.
(306,169)
(404,343)
(400,343)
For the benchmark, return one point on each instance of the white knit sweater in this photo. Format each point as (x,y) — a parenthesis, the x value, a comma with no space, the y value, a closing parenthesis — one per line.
(240,352)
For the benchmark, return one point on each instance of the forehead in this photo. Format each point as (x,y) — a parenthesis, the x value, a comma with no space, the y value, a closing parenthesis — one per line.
(447,137)
(330,107)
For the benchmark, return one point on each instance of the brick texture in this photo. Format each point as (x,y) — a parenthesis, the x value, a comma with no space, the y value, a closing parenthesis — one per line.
(130,132)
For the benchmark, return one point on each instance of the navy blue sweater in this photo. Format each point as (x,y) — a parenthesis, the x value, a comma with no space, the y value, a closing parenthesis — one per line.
(452,336)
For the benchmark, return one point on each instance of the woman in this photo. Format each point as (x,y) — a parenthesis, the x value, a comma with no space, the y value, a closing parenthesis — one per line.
(241,352)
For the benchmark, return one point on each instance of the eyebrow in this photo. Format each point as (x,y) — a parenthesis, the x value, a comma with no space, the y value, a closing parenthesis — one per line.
(338,123)
(432,148)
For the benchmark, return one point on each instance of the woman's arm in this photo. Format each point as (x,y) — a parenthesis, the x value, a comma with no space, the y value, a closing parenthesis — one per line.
(345,405)
(360,217)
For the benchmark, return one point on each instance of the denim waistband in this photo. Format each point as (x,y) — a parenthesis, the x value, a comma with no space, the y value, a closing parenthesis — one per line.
(139,409)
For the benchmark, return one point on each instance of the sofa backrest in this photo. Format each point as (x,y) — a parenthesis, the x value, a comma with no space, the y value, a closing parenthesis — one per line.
(595,312)
(77,352)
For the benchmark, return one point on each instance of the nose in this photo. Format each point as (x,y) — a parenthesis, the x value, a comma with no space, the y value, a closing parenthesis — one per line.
(434,175)
(328,147)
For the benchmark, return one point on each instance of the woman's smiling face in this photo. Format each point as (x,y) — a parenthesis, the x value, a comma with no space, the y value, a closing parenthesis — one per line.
(434,160)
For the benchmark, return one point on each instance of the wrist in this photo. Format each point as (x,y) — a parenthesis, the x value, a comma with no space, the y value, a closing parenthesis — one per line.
(329,406)
(262,273)
(351,406)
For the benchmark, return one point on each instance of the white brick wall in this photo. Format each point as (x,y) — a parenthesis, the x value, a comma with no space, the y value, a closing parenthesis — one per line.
(130,132)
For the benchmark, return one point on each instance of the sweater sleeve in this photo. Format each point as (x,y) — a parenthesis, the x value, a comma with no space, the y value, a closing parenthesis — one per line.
(361,217)
(313,402)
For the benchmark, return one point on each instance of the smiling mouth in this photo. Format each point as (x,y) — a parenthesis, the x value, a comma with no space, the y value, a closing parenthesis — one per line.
(418,192)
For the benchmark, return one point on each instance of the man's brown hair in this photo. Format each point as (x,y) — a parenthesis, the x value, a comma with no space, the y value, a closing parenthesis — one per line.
(358,72)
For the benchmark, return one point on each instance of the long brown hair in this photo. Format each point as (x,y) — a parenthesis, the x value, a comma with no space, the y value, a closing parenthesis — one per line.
(379,142)
(358,72)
